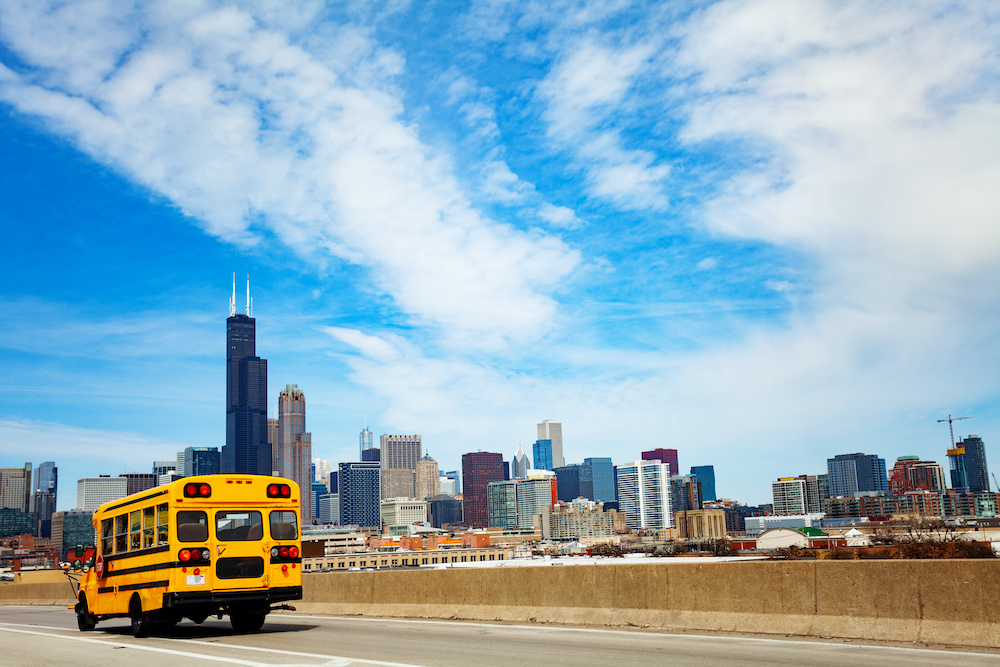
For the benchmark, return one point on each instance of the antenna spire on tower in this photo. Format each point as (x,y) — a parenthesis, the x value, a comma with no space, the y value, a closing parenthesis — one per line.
(232,299)
(248,310)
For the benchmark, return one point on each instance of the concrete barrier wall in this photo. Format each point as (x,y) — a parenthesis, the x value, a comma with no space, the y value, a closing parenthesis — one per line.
(943,602)
(935,601)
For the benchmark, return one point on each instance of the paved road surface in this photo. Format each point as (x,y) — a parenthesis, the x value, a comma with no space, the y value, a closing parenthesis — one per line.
(48,635)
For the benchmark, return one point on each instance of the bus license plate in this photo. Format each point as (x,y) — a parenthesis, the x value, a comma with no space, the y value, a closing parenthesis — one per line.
(196,580)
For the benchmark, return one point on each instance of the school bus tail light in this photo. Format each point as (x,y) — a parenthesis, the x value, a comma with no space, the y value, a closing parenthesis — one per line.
(195,490)
(293,552)
(279,491)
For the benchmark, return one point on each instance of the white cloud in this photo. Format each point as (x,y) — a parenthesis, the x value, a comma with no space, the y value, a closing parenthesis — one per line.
(584,94)
(240,127)
(559,216)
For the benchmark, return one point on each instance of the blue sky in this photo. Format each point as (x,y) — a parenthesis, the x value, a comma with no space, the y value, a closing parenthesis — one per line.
(761,232)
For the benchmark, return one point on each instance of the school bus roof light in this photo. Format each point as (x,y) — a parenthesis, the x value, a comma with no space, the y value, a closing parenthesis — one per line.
(279,491)
(195,490)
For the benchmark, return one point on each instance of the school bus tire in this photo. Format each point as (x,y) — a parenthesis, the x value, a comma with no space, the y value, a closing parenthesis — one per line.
(84,619)
(140,620)
(247,621)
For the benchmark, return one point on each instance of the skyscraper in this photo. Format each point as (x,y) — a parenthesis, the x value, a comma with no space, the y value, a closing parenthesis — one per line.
(520,464)
(366,440)
(575,481)
(663,456)
(247,450)
(359,495)
(976,473)
(542,453)
(273,438)
(514,503)
(602,474)
(552,431)
(400,452)
(92,492)
(138,481)
(706,477)
(295,445)
(428,478)
(644,494)
(478,470)
(850,473)
(15,487)
(202,461)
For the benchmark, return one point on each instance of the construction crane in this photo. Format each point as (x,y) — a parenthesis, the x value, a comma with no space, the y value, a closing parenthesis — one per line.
(951,429)
(995,480)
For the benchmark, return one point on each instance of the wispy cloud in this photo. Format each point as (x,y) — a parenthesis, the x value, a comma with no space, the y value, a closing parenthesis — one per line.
(246,130)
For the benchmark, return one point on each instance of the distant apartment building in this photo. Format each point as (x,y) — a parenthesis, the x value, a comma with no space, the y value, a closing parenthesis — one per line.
(701,524)
(799,495)
(403,511)
(515,503)
(399,452)
(602,477)
(138,481)
(967,464)
(73,528)
(911,474)
(706,477)
(202,461)
(478,470)
(644,494)
(444,510)
(851,473)
(15,487)
(577,521)
(359,494)
(92,492)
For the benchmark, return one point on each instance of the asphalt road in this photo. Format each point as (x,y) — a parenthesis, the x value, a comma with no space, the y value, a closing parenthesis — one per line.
(48,636)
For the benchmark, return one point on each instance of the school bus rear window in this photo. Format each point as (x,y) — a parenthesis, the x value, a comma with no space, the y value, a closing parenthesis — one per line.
(240,526)
(192,526)
(284,525)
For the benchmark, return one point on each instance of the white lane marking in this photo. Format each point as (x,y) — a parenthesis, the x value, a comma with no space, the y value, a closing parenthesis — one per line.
(141,647)
(365,661)
(333,659)
(692,635)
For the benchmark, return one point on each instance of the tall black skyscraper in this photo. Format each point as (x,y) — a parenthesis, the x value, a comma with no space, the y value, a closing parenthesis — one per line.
(247,449)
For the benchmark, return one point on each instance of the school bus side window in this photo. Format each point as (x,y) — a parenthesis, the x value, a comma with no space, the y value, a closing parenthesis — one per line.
(239,526)
(148,527)
(134,530)
(284,525)
(107,535)
(192,526)
(162,522)
(121,533)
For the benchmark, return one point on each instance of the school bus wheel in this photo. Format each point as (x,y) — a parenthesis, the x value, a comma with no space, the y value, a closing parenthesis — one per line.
(140,621)
(84,619)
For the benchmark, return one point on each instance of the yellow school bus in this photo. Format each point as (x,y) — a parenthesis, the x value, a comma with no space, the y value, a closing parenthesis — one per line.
(200,546)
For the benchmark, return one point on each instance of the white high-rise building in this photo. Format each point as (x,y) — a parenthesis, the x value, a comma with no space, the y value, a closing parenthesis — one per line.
(402,511)
(323,470)
(447,486)
(15,487)
(521,465)
(644,494)
(789,496)
(329,508)
(550,430)
(92,492)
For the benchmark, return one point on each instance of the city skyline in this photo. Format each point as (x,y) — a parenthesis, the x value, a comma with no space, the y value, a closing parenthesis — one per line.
(761,235)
